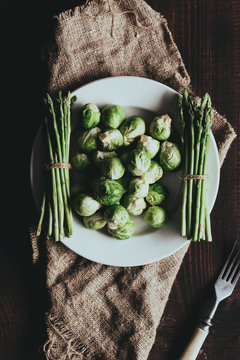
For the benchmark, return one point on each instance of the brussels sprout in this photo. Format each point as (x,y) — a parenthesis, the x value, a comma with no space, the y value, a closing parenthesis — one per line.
(88,139)
(108,192)
(111,139)
(124,181)
(170,157)
(131,128)
(100,156)
(112,116)
(77,189)
(112,168)
(116,216)
(89,116)
(80,161)
(124,232)
(138,187)
(85,205)
(154,173)
(157,194)
(138,162)
(150,145)
(134,205)
(155,216)
(95,221)
(160,127)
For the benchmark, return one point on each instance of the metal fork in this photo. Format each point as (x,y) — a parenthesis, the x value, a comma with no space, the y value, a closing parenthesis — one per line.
(224,286)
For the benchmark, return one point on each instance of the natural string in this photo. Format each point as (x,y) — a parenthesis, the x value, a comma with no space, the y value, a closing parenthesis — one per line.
(58,166)
(195,177)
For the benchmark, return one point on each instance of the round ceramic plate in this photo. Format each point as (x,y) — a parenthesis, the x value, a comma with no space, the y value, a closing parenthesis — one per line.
(145,98)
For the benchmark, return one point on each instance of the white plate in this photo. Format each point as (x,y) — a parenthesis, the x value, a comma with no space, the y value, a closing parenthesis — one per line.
(146,98)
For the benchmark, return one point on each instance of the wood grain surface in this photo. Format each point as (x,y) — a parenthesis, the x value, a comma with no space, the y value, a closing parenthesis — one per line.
(207,33)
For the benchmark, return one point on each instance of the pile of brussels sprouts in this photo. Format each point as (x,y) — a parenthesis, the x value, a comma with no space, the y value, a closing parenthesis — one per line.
(123,160)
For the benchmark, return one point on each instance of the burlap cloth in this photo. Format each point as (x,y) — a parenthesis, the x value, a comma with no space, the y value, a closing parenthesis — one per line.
(98,311)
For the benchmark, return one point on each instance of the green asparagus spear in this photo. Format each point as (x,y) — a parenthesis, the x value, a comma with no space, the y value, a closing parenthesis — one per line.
(60,201)
(50,220)
(184,141)
(200,115)
(191,162)
(54,187)
(39,228)
(207,121)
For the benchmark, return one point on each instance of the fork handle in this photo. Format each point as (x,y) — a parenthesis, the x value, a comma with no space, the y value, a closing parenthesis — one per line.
(194,345)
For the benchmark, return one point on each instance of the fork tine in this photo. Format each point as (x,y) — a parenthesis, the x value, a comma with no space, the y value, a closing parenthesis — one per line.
(236,278)
(234,271)
(231,268)
(226,263)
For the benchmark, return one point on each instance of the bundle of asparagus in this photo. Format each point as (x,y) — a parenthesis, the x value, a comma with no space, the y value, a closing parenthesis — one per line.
(196,121)
(56,212)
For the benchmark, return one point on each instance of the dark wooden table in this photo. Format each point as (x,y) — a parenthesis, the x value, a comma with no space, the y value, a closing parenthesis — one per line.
(207,33)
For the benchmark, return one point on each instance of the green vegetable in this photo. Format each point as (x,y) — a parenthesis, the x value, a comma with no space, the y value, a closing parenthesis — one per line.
(160,127)
(100,156)
(170,157)
(155,216)
(42,214)
(80,161)
(88,139)
(108,192)
(134,205)
(116,216)
(111,139)
(95,221)
(112,116)
(85,205)
(131,128)
(112,168)
(150,145)
(56,213)
(89,116)
(138,162)
(154,173)
(196,121)
(157,194)
(138,187)
(124,232)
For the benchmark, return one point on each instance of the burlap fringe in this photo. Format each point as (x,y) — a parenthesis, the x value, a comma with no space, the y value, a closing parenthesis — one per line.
(107,6)
(78,9)
(87,8)
(34,242)
(74,348)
